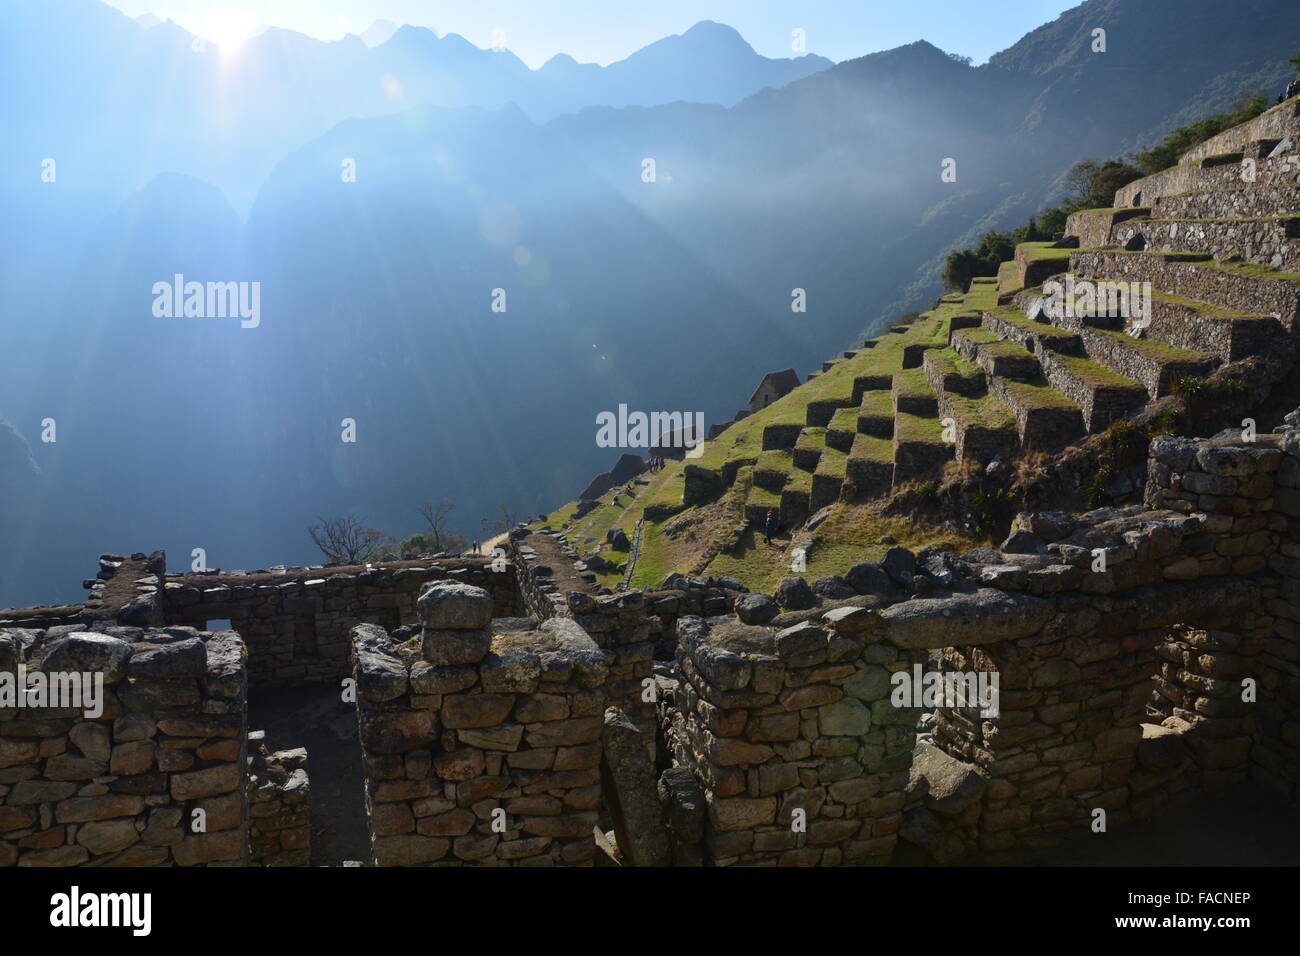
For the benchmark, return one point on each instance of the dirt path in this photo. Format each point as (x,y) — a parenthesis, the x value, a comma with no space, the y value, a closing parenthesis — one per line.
(318,719)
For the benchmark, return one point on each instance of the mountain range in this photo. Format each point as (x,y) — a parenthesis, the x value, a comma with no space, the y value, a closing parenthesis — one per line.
(381,194)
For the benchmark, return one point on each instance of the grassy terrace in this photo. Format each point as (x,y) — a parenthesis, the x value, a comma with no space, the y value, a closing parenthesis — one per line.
(1206,309)
(1041,252)
(912,383)
(776,460)
(877,404)
(994,346)
(1014,316)
(763,498)
(1157,351)
(1152,348)
(871,448)
(832,463)
(1094,373)
(799,479)
(986,410)
(917,428)
(741,445)
(845,420)
(812,438)
(1008,278)
(983,293)
(1252,269)
(953,364)
(1036,394)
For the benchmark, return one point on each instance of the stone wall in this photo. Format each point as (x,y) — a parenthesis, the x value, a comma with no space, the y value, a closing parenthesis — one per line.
(1200,280)
(1092,226)
(480,747)
(554,583)
(800,755)
(296,622)
(1272,242)
(122,787)
(279,794)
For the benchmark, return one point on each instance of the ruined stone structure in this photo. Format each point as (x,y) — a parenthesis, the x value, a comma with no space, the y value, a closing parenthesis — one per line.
(513,712)
(1142,654)
(154,778)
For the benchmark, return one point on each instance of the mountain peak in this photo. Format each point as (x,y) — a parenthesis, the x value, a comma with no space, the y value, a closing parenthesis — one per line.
(714,34)
(379,32)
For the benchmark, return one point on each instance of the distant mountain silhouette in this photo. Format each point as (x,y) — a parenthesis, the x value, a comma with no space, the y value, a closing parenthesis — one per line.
(378,32)
(473,173)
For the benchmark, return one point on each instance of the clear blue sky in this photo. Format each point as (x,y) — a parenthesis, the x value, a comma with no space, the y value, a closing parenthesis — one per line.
(606,30)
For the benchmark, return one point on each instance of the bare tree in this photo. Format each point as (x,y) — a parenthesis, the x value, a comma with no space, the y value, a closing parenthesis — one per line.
(1080,178)
(508,517)
(436,515)
(346,540)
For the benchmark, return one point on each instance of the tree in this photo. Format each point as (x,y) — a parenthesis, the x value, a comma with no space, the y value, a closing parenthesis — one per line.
(508,517)
(437,515)
(962,266)
(1080,178)
(346,540)
(423,543)
(1295,62)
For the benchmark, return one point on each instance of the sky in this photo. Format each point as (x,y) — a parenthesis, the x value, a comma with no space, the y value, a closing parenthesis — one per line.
(604,31)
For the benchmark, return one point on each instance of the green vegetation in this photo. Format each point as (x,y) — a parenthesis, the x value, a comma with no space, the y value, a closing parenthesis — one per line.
(872,448)
(1165,153)
(1090,184)
(1094,373)
(1036,395)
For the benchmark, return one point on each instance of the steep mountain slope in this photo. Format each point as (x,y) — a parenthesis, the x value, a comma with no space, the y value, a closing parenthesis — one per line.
(673,294)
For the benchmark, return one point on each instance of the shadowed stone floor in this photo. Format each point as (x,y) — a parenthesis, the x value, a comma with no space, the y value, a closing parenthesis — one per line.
(318,719)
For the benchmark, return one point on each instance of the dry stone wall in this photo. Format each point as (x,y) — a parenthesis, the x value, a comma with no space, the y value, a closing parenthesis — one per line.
(297,623)
(801,757)
(279,794)
(480,747)
(119,784)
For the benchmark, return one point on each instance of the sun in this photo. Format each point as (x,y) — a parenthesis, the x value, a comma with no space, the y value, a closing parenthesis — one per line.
(228,29)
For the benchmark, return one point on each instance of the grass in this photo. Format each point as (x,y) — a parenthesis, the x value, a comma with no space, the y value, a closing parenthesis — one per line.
(878,403)
(689,538)
(1008,278)
(984,411)
(832,463)
(1094,373)
(851,534)
(776,459)
(1041,251)
(1013,315)
(1159,351)
(799,479)
(917,428)
(812,438)
(912,383)
(872,448)
(983,294)
(1206,309)
(845,420)
(1036,394)
(763,497)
